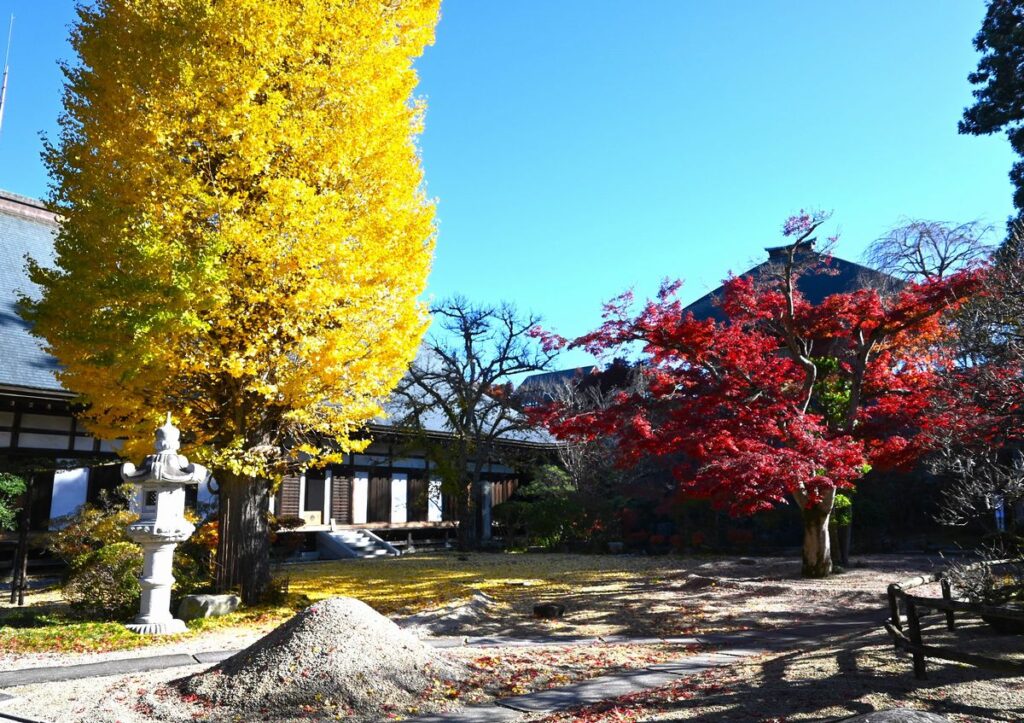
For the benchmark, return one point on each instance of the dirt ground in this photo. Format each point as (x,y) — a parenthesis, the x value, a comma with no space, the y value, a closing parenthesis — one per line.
(688,595)
(858,675)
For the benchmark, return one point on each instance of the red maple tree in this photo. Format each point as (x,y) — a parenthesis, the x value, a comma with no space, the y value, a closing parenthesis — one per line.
(781,399)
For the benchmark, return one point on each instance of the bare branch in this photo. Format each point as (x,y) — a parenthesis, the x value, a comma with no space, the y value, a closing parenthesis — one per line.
(929,250)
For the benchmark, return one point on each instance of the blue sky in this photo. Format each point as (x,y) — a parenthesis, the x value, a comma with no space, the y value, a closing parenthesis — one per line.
(581,147)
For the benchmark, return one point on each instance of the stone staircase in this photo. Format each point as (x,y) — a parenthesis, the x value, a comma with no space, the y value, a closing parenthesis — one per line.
(348,544)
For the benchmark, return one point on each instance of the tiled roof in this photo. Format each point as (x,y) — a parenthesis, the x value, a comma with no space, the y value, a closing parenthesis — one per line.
(844,276)
(540,388)
(26,228)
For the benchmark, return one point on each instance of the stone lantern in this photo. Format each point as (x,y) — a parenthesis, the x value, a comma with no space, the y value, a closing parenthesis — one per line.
(161,526)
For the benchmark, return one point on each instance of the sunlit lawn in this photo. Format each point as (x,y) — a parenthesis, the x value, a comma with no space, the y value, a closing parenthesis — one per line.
(391,586)
(412,583)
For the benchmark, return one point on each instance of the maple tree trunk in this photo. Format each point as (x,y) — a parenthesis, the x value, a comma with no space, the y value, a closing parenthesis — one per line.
(243,548)
(817,555)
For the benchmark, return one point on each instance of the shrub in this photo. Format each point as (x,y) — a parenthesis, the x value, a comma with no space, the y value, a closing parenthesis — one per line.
(989,582)
(842,510)
(88,530)
(104,583)
(194,559)
(544,508)
(94,543)
(11,487)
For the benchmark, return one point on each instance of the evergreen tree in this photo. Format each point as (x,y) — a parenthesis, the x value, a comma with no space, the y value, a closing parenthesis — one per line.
(999,103)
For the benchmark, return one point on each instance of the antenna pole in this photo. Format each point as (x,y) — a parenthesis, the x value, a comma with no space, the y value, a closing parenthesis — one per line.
(7,58)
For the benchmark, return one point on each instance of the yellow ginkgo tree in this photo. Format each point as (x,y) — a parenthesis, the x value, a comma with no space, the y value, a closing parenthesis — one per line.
(244,233)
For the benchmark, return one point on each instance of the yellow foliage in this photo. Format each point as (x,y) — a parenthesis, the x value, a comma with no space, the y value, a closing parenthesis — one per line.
(245,230)
(416,582)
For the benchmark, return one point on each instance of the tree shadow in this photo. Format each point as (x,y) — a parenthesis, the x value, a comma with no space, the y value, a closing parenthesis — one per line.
(840,679)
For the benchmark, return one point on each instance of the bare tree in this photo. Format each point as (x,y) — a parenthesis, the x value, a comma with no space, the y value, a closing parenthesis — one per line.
(929,250)
(982,450)
(590,463)
(988,486)
(462,378)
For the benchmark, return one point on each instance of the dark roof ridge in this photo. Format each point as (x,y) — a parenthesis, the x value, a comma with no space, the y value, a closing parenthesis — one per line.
(15,204)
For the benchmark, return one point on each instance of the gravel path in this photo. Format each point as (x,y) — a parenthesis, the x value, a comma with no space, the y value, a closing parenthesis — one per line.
(698,596)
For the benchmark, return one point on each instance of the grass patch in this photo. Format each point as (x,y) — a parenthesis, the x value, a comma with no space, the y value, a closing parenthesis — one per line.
(54,633)
(43,630)
(417,582)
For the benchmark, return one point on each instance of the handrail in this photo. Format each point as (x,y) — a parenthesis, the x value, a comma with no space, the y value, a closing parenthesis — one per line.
(897,592)
(387,545)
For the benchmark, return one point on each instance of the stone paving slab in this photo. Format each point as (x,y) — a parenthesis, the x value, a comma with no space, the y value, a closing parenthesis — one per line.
(214,656)
(28,676)
(743,652)
(627,639)
(587,692)
(720,657)
(498,640)
(683,667)
(447,642)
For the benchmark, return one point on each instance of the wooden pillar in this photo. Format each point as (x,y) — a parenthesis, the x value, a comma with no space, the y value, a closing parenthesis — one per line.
(914,625)
(947,595)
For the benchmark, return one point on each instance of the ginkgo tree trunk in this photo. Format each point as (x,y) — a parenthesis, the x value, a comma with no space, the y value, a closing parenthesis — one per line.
(244,234)
(781,401)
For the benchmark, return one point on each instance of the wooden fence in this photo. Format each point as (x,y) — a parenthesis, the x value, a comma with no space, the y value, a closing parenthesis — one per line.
(915,605)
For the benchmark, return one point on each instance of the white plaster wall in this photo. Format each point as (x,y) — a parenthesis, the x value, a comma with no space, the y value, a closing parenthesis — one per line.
(328,479)
(434,505)
(70,488)
(360,492)
(399,497)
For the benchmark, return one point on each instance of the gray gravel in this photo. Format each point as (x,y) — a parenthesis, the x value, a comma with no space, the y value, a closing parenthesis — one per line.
(338,653)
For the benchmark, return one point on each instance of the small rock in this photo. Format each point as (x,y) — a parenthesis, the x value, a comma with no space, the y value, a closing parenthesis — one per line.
(897,715)
(747,561)
(207,606)
(548,610)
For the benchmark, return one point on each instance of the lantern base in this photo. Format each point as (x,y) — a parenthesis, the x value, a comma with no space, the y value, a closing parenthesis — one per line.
(168,627)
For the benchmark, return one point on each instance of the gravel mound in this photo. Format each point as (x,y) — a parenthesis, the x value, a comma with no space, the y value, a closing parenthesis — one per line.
(336,654)
(451,619)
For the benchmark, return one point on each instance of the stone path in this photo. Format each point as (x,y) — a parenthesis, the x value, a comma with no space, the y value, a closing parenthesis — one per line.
(735,647)
(730,648)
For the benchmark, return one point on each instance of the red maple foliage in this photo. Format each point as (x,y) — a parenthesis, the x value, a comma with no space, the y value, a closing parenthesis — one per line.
(782,398)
